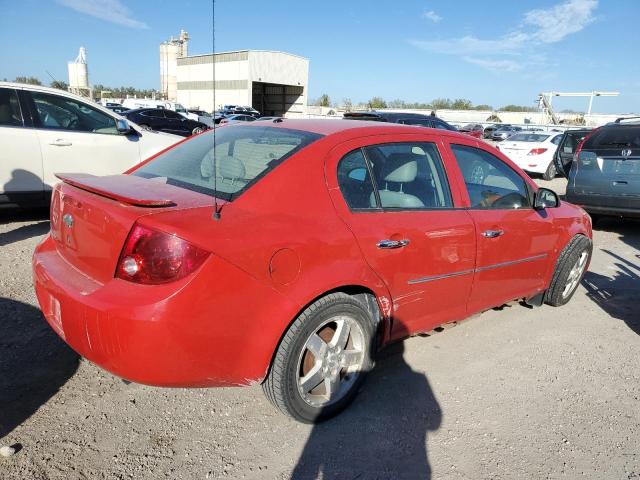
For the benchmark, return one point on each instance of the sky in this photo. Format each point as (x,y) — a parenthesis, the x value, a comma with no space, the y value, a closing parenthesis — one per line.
(498,53)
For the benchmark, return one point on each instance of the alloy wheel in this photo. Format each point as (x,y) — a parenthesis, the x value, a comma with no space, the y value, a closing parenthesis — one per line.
(575,274)
(331,361)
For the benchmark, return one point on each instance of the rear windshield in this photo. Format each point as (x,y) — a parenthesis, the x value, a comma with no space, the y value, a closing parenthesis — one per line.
(243,155)
(614,137)
(528,137)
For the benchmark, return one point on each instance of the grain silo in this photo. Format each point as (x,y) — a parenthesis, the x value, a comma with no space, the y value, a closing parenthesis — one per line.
(79,75)
(170,51)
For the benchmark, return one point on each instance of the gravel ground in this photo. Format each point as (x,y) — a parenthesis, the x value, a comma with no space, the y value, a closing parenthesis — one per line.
(512,393)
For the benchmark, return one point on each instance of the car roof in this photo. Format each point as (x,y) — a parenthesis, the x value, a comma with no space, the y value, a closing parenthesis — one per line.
(333,126)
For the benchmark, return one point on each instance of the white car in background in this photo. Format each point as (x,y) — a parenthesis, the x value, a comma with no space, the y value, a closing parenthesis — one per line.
(533,151)
(44,131)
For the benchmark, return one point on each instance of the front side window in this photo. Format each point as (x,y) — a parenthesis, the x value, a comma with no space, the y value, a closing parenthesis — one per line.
(243,155)
(10,114)
(63,113)
(491,183)
(394,176)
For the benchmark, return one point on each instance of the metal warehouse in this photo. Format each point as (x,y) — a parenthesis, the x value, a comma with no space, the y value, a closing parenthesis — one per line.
(274,83)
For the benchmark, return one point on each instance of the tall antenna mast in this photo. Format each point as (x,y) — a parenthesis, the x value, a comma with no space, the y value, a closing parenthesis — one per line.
(216,209)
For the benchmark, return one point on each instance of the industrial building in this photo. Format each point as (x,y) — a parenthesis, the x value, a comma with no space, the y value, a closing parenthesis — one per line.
(274,83)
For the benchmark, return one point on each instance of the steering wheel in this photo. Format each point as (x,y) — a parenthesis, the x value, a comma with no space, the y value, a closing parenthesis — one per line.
(511,200)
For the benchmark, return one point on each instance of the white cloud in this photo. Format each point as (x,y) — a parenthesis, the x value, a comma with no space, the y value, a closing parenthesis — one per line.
(537,28)
(431,15)
(492,65)
(109,10)
(554,24)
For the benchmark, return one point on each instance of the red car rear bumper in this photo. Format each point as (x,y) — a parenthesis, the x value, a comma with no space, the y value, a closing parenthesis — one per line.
(191,333)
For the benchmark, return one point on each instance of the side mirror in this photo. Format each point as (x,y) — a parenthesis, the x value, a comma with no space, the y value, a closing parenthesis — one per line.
(123,126)
(545,198)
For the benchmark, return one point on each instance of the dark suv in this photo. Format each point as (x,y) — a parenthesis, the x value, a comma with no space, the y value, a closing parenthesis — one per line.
(604,177)
(419,119)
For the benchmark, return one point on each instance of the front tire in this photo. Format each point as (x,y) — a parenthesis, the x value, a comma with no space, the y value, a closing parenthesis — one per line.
(570,268)
(322,359)
(197,130)
(146,127)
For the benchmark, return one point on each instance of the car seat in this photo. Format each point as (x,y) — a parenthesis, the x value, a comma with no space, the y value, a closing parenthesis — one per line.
(398,170)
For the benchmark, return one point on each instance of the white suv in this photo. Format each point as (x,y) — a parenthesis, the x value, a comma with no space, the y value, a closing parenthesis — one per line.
(44,131)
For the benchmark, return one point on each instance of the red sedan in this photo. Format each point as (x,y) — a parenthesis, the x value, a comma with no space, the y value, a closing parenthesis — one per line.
(474,129)
(293,250)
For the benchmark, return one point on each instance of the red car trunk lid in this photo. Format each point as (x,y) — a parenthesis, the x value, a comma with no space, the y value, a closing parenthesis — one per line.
(91,216)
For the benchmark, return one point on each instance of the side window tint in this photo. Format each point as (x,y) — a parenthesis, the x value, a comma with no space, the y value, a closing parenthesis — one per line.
(63,113)
(409,175)
(355,182)
(10,114)
(490,182)
(416,121)
(556,140)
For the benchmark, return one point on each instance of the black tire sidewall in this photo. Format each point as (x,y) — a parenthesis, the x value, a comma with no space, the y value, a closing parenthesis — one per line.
(296,406)
(566,261)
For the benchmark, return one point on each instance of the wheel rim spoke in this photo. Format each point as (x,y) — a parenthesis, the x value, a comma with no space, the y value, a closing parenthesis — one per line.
(350,358)
(317,346)
(312,379)
(342,334)
(332,385)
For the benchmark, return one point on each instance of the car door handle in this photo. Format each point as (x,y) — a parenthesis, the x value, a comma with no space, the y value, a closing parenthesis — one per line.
(391,244)
(61,143)
(492,233)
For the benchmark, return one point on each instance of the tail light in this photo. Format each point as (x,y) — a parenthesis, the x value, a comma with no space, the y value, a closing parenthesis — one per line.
(576,155)
(537,151)
(153,257)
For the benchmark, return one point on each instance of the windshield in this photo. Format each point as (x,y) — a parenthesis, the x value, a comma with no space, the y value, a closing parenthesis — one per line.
(528,137)
(180,108)
(244,154)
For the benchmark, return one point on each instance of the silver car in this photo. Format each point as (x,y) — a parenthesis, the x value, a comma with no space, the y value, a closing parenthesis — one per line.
(503,133)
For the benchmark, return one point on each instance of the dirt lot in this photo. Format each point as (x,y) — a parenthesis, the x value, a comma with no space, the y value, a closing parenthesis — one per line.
(514,393)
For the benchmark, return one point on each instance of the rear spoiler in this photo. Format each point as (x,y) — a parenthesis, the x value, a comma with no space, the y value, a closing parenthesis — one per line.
(127,189)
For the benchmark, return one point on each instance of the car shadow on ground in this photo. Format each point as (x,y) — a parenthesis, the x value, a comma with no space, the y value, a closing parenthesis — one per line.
(382,434)
(617,294)
(23,232)
(34,363)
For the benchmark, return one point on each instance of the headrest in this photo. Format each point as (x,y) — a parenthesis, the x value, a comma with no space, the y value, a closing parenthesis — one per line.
(400,167)
(232,168)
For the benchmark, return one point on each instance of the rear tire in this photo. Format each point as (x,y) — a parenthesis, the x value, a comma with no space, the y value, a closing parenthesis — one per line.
(146,127)
(551,172)
(570,268)
(320,363)
(197,130)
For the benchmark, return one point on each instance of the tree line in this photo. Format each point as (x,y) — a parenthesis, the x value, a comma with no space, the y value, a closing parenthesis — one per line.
(98,89)
(436,104)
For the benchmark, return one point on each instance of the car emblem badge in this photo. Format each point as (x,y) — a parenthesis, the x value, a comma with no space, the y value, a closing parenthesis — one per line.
(626,153)
(67,218)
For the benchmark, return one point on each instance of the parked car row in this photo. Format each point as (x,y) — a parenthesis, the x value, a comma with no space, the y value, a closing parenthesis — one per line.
(164,120)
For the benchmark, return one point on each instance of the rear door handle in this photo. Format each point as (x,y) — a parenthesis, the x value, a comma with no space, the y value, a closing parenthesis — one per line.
(492,233)
(61,143)
(619,182)
(391,244)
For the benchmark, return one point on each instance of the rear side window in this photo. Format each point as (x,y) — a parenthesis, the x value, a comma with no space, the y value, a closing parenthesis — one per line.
(355,181)
(416,121)
(394,176)
(490,182)
(243,155)
(614,137)
(10,114)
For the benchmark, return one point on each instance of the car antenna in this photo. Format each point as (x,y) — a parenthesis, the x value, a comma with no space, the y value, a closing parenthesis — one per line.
(216,209)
